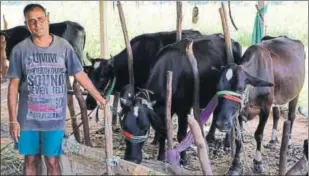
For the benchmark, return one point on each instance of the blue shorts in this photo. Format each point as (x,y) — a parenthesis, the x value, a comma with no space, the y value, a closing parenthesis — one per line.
(47,143)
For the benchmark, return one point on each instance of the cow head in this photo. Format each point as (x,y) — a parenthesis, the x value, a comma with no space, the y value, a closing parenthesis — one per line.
(136,118)
(101,74)
(232,92)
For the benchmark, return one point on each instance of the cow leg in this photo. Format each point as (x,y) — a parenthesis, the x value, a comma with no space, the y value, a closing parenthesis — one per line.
(257,162)
(274,138)
(155,139)
(161,139)
(291,115)
(236,168)
(211,134)
(182,132)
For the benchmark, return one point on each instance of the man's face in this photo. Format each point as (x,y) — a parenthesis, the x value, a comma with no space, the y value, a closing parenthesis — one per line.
(37,22)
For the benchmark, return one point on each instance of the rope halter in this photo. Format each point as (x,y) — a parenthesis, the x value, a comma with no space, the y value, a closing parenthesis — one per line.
(135,139)
(230,95)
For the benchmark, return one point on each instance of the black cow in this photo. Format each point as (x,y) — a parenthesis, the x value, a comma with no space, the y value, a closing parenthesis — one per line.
(73,32)
(276,70)
(209,52)
(144,48)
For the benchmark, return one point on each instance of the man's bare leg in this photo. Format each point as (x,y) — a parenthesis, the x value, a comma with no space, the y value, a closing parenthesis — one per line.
(30,166)
(53,165)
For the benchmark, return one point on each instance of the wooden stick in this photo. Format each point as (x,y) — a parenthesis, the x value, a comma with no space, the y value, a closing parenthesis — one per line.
(196,100)
(108,136)
(83,109)
(232,141)
(115,104)
(302,164)
(169,124)
(127,41)
(201,146)
(284,147)
(72,113)
(226,34)
(179,20)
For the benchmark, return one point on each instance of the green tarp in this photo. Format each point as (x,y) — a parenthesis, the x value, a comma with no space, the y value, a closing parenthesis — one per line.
(257,33)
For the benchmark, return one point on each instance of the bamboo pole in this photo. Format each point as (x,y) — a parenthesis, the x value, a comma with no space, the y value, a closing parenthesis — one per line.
(169,124)
(108,136)
(284,147)
(226,32)
(201,146)
(179,20)
(72,113)
(83,108)
(196,100)
(127,41)
(103,28)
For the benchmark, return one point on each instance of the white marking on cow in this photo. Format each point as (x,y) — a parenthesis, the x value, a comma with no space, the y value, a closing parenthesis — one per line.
(96,64)
(135,111)
(129,94)
(274,134)
(258,156)
(229,74)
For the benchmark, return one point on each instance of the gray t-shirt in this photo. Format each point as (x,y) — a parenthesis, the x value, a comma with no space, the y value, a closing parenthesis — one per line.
(42,89)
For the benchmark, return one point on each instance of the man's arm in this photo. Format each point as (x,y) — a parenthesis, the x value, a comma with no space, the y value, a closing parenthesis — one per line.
(12,104)
(83,79)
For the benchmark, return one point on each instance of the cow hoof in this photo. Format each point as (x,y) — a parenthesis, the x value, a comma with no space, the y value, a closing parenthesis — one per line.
(161,157)
(210,139)
(258,166)
(184,162)
(272,144)
(235,170)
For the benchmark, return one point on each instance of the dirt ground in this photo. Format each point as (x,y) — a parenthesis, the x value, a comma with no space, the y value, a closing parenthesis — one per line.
(220,160)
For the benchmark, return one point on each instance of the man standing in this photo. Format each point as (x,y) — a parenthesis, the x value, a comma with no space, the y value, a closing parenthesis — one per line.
(38,69)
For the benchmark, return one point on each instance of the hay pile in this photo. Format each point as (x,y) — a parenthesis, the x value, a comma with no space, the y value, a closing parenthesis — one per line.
(10,163)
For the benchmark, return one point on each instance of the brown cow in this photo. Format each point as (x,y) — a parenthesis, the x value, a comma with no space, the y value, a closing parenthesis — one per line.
(4,66)
(276,70)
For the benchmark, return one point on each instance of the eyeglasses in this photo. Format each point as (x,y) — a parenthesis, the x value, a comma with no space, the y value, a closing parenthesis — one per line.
(33,21)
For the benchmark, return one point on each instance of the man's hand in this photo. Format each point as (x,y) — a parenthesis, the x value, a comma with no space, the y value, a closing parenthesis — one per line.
(83,79)
(101,102)
(15,130)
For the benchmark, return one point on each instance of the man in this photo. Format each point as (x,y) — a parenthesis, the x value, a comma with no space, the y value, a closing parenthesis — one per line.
(38,69)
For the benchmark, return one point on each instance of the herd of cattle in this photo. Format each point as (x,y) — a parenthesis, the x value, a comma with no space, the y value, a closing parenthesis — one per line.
(268,74)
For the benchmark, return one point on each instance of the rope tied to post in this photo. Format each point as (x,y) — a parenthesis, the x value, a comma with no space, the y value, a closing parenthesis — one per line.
(173,155)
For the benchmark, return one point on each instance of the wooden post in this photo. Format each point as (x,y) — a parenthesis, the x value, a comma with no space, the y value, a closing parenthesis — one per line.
(284,147)
(115,105)
(179,20)
(226,32)
(72,112)
(103,28)
(108,136)
(83,109)
(196,100)
(169,124)
(127,41)
(201,146)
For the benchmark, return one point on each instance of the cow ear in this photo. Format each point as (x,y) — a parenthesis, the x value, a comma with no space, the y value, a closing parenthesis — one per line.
(111,60)
(90,59)
(256,82)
